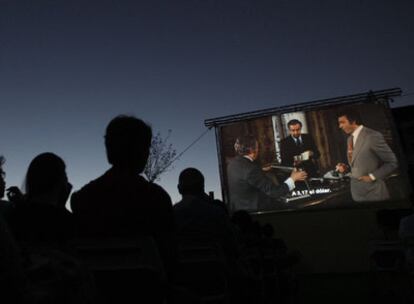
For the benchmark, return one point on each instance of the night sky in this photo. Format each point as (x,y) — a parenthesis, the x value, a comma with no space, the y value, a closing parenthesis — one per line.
(68,67)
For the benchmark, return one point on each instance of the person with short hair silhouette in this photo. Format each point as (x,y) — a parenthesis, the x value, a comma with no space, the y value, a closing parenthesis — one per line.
(5,206)
(121,203)
(14,195)
(2,177)
(197,213)
(199,219)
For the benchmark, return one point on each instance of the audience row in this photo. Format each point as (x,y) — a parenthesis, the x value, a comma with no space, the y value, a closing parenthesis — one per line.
(36,227)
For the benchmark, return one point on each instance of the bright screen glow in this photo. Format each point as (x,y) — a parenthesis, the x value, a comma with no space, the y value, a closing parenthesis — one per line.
(258,156)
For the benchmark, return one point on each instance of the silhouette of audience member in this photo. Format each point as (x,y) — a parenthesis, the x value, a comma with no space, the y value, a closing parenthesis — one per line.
(41,218)
(199,217)
(221,204)
(197,214)
(12,278)
(5,206)
(406,234)
(243,221)
(11,273)
(121,203)
(42,227)
(284,262)
(2,177)
(284,258)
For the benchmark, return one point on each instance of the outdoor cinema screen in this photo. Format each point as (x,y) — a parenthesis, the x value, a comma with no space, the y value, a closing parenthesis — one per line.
(350,153)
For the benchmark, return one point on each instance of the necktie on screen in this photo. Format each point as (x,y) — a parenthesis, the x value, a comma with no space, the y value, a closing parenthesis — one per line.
(350,147)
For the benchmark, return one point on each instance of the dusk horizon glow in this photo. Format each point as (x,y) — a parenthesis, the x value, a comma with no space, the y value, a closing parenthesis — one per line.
(68,68)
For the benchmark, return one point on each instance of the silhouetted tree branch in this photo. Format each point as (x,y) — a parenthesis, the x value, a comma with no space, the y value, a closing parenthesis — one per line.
(160,158)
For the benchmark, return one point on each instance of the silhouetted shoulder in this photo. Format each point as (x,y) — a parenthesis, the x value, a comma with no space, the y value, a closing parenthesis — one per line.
(160,192)
(86,193)
(111,187)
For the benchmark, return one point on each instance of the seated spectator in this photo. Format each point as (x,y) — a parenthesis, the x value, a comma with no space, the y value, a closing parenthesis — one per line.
(284,257)
(198,214)
(42,227)
(221,204)
(406,234)
(249,233)
(201,219)
(2,176)
(13,283)
(42,217)
(5,206)
(121,203)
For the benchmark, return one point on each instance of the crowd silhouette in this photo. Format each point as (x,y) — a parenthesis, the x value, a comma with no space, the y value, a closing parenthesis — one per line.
(125,242)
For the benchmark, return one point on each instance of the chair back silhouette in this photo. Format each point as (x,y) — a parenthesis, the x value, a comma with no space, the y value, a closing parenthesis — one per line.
(408,246)
(386,255)
(126,270)
(202,268)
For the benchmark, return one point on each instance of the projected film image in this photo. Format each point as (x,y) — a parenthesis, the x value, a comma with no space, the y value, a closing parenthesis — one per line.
(325,158)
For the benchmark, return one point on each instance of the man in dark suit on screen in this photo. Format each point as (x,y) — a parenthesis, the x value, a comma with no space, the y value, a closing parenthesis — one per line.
(249,188)
(296,144)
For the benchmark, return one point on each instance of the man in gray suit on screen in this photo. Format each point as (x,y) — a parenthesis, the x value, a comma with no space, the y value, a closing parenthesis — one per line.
(370,158)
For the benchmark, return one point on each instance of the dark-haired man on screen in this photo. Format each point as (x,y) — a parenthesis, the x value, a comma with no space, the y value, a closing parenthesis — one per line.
(370,159)
(296,144)
(249,188)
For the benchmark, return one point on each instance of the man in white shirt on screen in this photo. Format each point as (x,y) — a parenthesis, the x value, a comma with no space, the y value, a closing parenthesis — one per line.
(370,159)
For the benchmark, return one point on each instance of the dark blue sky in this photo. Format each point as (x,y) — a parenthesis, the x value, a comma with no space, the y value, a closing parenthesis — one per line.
(68,67)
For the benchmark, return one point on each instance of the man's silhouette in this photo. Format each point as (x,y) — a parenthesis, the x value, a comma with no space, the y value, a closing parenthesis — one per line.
(5,206)
(197,213)
(121,203)
(2,176)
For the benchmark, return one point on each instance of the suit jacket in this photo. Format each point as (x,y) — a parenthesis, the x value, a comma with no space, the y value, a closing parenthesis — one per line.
(371,155)
(289,148)
(249,188)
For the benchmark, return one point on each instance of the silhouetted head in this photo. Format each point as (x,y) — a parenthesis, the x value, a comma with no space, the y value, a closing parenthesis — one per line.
(191,182)
(348,119)
(243,220)
(221,204)
(127,142)
(295,127)
(2,177)
(247,145)
(268,230)
(46,176)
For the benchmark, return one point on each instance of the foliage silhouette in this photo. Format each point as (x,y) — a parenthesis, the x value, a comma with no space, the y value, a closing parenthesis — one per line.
(160,157)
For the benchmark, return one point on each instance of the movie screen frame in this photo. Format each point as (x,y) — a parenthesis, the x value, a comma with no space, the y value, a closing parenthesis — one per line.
(327,186)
